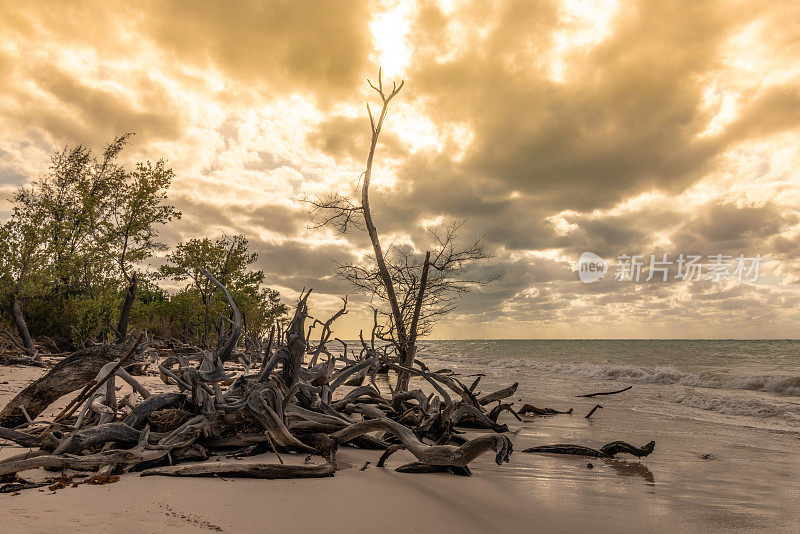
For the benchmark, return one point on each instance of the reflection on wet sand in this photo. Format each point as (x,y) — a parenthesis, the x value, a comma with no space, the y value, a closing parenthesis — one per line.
(630,468)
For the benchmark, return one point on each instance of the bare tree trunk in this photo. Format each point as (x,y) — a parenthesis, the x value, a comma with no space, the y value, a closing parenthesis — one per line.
(383,271)
(373,232)
(125,315)
(206,316)
(403,377)
(22,327)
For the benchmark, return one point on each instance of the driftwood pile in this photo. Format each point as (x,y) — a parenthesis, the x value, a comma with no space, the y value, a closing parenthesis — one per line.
(285,406)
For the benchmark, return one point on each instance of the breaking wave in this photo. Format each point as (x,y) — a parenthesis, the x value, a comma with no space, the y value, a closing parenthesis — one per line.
(751,407)
(765,396)
(778,384)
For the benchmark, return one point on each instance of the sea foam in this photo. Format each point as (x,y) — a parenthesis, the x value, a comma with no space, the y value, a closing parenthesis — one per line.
(778,384)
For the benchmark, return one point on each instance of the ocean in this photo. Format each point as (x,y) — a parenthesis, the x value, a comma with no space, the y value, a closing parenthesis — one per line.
(746,382)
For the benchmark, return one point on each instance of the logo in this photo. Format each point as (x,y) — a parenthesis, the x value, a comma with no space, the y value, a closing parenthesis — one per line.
(591,267)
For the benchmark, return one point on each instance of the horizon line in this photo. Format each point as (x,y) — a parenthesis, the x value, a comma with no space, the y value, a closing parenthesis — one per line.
(611,339)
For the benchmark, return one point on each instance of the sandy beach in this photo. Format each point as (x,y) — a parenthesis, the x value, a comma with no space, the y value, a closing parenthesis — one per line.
(700,479)
(540,261)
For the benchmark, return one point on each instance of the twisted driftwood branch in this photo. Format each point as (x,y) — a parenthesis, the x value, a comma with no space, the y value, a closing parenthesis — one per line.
(87,393)
(497,395)
(429,454)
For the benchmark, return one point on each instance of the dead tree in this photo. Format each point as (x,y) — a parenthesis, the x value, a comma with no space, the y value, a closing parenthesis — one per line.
(19,250)
(413,291)
(22,326)
(127,306)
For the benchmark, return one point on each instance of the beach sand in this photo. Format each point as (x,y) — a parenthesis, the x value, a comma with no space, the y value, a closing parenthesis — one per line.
(699,479)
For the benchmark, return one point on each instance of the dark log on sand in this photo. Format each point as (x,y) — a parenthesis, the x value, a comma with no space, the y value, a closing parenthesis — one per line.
(471,417)
(71,374)
(608,450)
(596,407)
(22,360)
(529,409)
(605,393)
(500,408)
(13,487)
(20,438)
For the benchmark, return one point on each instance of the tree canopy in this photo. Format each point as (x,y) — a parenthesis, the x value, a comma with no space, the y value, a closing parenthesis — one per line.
(228,260)
(73,254)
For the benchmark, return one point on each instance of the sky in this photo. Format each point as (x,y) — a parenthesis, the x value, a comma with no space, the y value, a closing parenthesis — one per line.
(636,128)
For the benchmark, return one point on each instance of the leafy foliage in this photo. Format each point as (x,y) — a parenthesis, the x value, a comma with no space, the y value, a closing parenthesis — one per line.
(227,258)
(79,234)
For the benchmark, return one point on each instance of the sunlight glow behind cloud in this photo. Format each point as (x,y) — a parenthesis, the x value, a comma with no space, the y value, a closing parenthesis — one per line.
(390,31)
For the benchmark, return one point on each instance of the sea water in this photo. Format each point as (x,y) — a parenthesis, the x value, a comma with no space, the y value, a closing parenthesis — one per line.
(756,381)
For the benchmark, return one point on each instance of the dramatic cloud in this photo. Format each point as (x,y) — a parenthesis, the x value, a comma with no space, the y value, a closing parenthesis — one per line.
(556,127)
